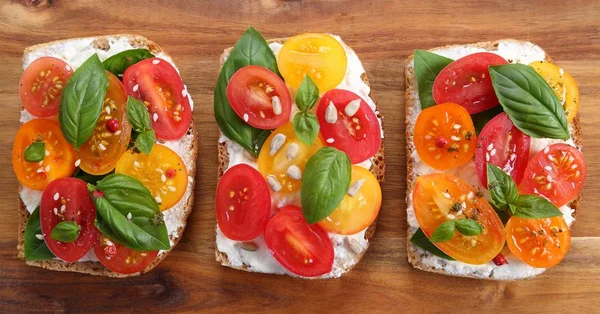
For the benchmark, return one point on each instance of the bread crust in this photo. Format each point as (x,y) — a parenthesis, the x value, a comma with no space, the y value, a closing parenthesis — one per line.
(414,254)
(92,267)
(377,168)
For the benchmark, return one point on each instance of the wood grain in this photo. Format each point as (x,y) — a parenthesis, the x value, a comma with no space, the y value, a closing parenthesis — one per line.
(383,33)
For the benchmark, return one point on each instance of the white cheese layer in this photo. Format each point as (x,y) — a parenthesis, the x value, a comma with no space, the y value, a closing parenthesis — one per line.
(75,52)
(347,249)
(517,52)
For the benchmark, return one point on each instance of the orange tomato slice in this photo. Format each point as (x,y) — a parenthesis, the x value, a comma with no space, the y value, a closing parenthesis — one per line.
(562,83)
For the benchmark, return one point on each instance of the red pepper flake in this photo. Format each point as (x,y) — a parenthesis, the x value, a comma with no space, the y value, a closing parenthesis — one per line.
(441,142)
(110,251)
(171,173)
(112,125)
(499,260)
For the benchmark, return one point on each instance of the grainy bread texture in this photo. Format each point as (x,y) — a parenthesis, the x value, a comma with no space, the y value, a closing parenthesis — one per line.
(377,168)
(178,213)
(416,255)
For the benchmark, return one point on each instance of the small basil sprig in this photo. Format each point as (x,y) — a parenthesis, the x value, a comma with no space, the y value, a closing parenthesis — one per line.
(138,117)
(505,197)
(81,101)
(118,63)
(325,182)
(127,213)
(306,124)
(445,231)
(420,239)
(65,231)
(427,67)
(251,49)
(529,101)
(35,152)
(35,248)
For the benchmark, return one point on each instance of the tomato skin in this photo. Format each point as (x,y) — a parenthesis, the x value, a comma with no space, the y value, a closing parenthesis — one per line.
(59,163)
(158,84)
(467,82)
(120,259)
(72,203)
(42,84)
(501,143)
(358,136)
(557,173)
(303,249)
(112,130)
(538,242)
(243,203)
(250,92)
(562,83)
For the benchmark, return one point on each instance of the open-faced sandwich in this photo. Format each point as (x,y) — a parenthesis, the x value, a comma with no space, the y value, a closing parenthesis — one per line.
(495,168)
(300,156)
(105,155)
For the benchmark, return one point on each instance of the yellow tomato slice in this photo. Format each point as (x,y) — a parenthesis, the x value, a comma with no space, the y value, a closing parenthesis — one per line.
(319,56)
(562,83)
(291,154)
(357,212)
(438,198)
(162,172)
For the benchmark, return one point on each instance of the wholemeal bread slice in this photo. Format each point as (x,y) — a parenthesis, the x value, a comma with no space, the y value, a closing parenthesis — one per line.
(520,52)
(377,168)
(75,51)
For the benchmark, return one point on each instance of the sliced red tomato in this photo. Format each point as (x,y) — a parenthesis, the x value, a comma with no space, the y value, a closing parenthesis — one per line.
(359,134)
(467,82)
(438,198)
(243,203)
(42,84)
(538,242)
(157,83)
(503,145)
(303,249)
(120,259)
(68,199)
(259,97)
(557,173)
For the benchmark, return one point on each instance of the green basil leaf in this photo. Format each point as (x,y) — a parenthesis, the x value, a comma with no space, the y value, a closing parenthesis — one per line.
(34,245)
(118,63)
(306,126)
(480,119)
(420,239)
(65,231)
(444,232)
(35,152)
(251,49)
(138,115)
(503,190)
(529,101)
(307,94)
(145,141)
(427,67)
(325,182)
(127,213)
(533,206)
(468,227)
(81,101)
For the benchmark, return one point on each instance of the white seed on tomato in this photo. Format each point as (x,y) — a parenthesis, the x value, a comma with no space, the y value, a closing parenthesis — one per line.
(101,146)
(155,117)
(56,196)
(172,188)
(136,87)
(294,172)
(40,170)
(331,113)
(427,137)
(77,162)
(163,178)
(487,156)
(118,132)
(457,126)
(55,210)
(490,147)
(548,168)
(470,195)
(273,183)
(352,107)
(330,140)
(546,150)
(246,117)
(184,92)
(276,143)
(47,153)
(136,164)
(158,199)
(450,216)
(292,151)
(155,61)
(107,109)
(455,138)
(446,195)
(63,208)
(493,152)
(276,102)
(355,187)
(47,169)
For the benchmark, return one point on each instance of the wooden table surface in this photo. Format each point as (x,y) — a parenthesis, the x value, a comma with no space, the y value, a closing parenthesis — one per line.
(383,33)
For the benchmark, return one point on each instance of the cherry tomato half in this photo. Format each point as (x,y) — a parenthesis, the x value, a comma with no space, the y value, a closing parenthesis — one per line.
(557,173)
(243,203)
(562,83)
(59,161)
(259,97)
(120,259)
(538,242)
(467,82)
(42,84)
(156,82)
(438,198)
(444,136)
(68,199)
(303,249)
(110,138)
(503,145)
(359,135)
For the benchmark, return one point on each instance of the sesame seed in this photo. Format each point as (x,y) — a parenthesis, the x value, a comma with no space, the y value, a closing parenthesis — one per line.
(40,170)
(55,210)
(487,156)
(457,126)
(246,117)
(490,147)
(63,207)
(450,216)
(546,150)
(158,199)
(129,216)
(574,166)
(77,162)
(548,168)
(118,132)
(101,146)
(163,178)
(47,169)
(155,117)
(493,152)
(172,188)
(39,237)
(513,157)
(159,170)
(155,61)
(184,93)
(464,205)
(549,178)
(47,153)
(446,195)
(455,138)
(330,140)
(56,196)
(561,71)
(470,195)
(68,68)
(427,136)
(107,109)
(136,87)
(136,164)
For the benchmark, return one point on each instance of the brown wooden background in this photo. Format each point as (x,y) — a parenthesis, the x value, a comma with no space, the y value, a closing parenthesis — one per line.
(383,33)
